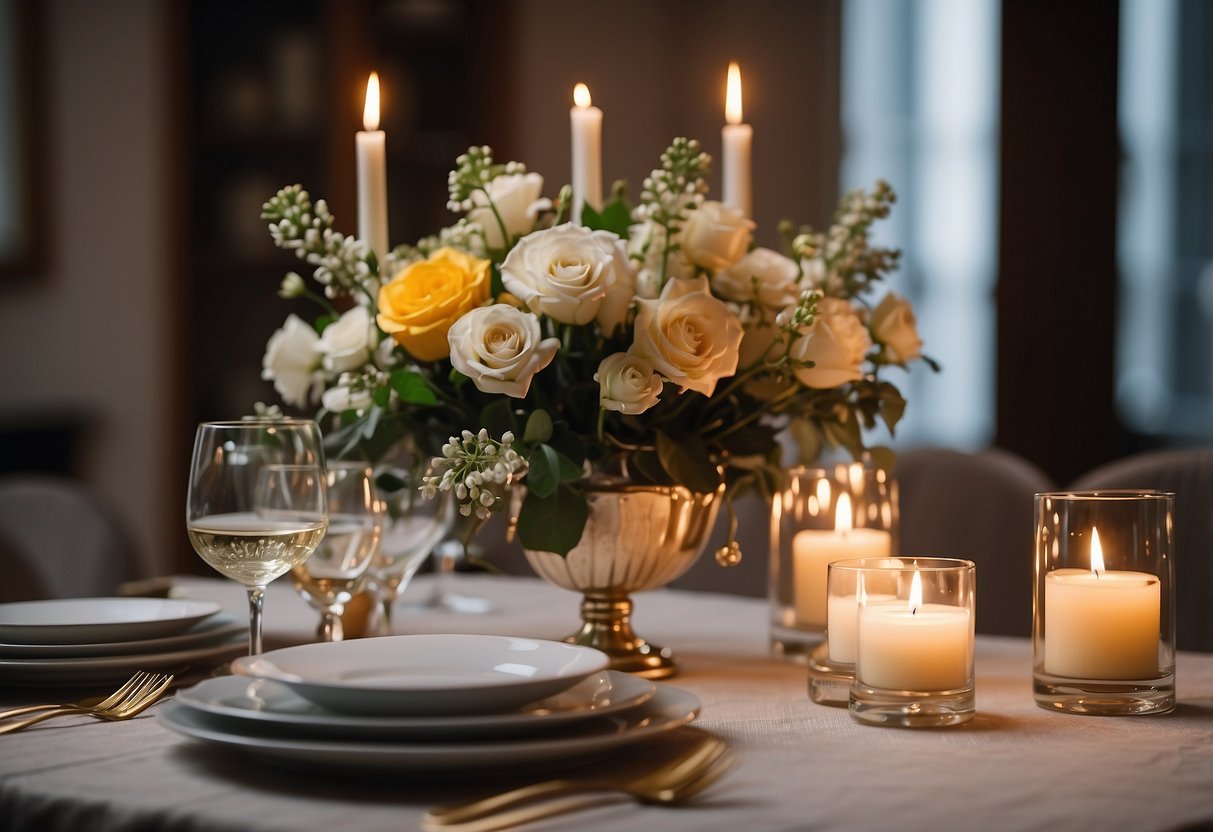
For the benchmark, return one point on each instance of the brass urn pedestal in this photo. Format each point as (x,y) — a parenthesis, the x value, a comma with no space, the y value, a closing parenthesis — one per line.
(636,537)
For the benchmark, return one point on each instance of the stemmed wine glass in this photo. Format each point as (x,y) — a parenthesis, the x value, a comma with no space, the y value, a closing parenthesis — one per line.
(336,571)
(257,503)
(413,526)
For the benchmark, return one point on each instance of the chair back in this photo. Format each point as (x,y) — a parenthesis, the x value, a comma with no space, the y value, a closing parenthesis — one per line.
(1189,474)
(61,539)
(976,506)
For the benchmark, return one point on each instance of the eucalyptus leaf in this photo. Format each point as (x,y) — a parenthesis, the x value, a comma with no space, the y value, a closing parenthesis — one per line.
(553,523)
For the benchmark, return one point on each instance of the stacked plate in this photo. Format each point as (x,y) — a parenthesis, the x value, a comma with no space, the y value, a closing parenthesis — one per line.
(427,702)
(86,641)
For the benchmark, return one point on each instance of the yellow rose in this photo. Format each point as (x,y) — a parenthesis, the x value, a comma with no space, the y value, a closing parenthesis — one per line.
(423,300)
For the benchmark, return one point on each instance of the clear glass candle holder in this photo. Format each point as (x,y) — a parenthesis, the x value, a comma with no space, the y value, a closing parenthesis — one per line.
(832,666)
(823,515)
(914,643)
(1103,623)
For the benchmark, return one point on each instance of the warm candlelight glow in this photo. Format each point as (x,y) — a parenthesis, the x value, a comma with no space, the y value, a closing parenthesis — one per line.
(370,112)
(842,514)
(915,592)
(732,96)
(1096,553)
(581,96)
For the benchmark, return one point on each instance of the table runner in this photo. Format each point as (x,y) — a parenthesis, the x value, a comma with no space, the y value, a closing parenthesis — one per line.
(801,765)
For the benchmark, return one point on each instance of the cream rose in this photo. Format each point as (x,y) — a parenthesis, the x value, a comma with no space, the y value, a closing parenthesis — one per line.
(421,302)
(346,342)
(836,343)
(516,197)
(499,348)
(565,272)
(715,236)
(292,362)
(691,337)
(894,325)
(763,276)
(627,383)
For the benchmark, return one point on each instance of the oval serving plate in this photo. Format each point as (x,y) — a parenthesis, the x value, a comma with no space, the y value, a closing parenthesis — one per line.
(268,703)
(426,674)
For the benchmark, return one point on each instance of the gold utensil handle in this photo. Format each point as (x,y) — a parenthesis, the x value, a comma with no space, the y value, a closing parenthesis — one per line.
(29,709)
(42,717)
(505,820)
(492,804)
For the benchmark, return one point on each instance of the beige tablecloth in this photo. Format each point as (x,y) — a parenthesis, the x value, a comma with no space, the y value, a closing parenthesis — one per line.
(802,766)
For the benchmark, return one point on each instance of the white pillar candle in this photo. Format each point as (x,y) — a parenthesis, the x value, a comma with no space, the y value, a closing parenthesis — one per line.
(736,139)
(371,146)
(813,550)
(841,614)
(918,647)
(585,122)
(1101,624)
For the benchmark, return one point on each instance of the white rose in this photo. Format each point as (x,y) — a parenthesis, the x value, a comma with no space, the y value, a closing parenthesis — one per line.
(814,272)
(762,275)
(292,361)
(516,197)
(499,348)
(627,383)
(716,236)
(760,333)
(565,272)
(836,343)
(346,342)
(894,325)
(341,398)
(613,312)
(691,337)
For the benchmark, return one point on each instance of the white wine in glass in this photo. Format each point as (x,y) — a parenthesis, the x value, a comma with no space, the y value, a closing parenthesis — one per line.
(257,503)
(336,571)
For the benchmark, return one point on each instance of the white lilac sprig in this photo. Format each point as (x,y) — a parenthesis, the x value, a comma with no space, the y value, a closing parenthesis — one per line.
(669,194)
(849,263)
(472,464)
(343,264)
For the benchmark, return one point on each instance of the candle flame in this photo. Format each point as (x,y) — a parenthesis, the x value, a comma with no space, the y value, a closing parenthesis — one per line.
(915,592)
(732,95)
(842,514)
(581,96)
(370,111)
(1097,564)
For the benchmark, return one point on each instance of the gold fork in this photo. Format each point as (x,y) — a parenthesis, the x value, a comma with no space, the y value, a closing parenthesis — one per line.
(90,702)
(130,700)
(672,783)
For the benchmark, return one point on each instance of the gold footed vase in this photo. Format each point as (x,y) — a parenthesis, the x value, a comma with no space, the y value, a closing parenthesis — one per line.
(636,537)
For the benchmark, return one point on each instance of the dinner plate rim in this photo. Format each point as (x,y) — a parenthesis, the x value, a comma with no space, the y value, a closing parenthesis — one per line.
(329,723)
(401,698)
(100,628)
(61,672)
(212,628)
(669,708)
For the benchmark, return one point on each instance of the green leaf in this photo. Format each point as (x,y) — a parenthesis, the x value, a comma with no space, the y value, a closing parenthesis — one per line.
(647,465)
(496,286)
(570,446)
(382,396)
(616,217)
(891,410)
(412,388)
(686,461)
(323,322)
(590,218)
(498,417)
(389,482)
(553,523)
(883,458)
(543,471)
(538,428)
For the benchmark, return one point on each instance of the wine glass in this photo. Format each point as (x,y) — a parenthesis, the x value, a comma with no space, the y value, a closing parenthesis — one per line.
(336,571)
(413,526)
(257,502)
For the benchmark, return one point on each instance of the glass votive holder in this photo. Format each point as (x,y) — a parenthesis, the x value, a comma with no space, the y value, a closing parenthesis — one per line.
(914,651)
(1103,623)
(832,665)
(822,515)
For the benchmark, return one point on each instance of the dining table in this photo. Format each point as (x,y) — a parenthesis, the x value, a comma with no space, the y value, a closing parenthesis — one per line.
(799,765)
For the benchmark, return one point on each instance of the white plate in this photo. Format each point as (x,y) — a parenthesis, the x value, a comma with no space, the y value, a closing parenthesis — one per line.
(426,674)
(670,708)
(65,672)
(209,631)
(263,703)
(98,620)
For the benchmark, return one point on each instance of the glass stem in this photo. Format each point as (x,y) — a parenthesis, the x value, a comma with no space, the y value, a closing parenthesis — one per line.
(256,601)
(330,624)
(387,600)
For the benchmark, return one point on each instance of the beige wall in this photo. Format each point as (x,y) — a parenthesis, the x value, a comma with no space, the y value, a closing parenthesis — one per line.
(91,332)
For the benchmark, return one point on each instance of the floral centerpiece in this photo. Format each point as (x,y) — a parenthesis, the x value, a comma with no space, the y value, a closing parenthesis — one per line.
(650,341)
